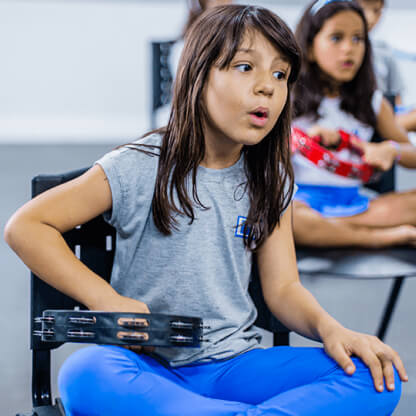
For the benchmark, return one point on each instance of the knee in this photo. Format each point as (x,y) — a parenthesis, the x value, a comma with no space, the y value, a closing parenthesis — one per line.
(383,403)
(392,398)
(383,213)
(97,363)
(90,371)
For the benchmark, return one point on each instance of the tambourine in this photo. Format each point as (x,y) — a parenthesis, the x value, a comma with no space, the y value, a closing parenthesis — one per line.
(311,148)
(117,328)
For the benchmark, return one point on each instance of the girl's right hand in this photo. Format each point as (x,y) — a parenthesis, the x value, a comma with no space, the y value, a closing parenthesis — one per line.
(329,137)
(119,303)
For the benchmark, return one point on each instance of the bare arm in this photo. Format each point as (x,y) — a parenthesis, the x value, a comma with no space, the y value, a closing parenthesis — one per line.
(285,296)
(390,129)
(295,306)
(34,232)
(311,229)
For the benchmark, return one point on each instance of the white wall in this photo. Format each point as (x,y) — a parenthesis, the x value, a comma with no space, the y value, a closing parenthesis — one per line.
(74,70)
(79,70)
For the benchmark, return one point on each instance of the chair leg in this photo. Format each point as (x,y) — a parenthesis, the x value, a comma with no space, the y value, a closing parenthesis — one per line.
(41,378)
(390,305)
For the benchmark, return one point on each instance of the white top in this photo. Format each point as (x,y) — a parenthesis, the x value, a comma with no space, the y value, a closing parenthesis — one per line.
(332,117)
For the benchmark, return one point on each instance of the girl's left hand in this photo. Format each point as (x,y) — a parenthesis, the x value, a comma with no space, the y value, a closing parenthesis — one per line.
(380,155)
(341,343)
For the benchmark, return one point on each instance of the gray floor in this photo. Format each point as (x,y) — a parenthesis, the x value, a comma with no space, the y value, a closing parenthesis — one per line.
(357,304)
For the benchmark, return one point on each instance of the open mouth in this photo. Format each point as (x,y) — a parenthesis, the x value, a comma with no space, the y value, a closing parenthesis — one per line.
(348,63)
(259,116)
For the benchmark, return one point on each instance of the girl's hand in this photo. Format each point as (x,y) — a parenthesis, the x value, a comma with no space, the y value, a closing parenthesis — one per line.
(329,137)
(341,343)
(380,155)
(119,303)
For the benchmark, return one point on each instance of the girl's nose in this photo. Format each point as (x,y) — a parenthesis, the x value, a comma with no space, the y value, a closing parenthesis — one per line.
(348,45)
(264,86)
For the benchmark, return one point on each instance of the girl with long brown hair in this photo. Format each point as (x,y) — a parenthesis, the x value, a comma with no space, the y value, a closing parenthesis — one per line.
(337,90)
(191,205)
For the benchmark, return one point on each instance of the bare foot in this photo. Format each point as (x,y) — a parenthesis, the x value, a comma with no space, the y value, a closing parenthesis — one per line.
(394,236)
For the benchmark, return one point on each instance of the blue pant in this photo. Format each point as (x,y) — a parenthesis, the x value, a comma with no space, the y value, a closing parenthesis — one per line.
(279,381)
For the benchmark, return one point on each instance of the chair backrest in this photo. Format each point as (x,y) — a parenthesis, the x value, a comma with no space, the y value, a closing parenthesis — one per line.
(94,243)
(161,77)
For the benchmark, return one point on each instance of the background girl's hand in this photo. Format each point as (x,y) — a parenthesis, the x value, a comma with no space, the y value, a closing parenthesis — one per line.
(119,303)
(341,343)
(380,155)
(329,137)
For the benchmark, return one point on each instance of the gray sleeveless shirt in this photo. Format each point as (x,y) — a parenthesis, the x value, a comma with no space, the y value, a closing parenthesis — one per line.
(203,269)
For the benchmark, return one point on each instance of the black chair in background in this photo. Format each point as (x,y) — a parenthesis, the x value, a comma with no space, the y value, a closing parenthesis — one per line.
(94,244)
(161,78)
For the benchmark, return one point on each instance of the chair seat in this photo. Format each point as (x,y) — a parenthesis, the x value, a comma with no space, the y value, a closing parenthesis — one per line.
(56,410)
(358,263)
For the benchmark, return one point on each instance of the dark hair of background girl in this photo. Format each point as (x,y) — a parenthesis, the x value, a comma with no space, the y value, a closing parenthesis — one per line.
(356,95)
(196,8)
(214,39)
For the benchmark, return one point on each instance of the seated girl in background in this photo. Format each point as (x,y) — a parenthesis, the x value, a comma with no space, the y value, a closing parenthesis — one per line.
(191,204)
(337,90)
(386,69)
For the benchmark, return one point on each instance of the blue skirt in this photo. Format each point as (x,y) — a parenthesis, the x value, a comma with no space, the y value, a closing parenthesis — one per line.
(333,201)
(404,109)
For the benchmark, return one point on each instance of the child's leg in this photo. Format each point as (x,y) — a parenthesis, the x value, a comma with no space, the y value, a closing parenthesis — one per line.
(310,228)
(101,381)
(110,381)
(388,210)
(301,381)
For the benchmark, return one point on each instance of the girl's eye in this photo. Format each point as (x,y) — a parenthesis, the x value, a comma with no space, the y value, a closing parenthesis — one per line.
(243,67)
(335,38)
(357,39)
(279,75)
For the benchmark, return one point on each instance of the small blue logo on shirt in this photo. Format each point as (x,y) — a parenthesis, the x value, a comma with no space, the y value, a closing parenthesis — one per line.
(241,229)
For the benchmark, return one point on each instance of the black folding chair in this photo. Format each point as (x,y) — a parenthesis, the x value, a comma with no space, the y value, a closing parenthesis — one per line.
(94,243)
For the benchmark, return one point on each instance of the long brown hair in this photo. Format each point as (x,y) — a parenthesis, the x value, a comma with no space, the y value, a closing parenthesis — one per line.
(310,89)
(196,8)
(214,39)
